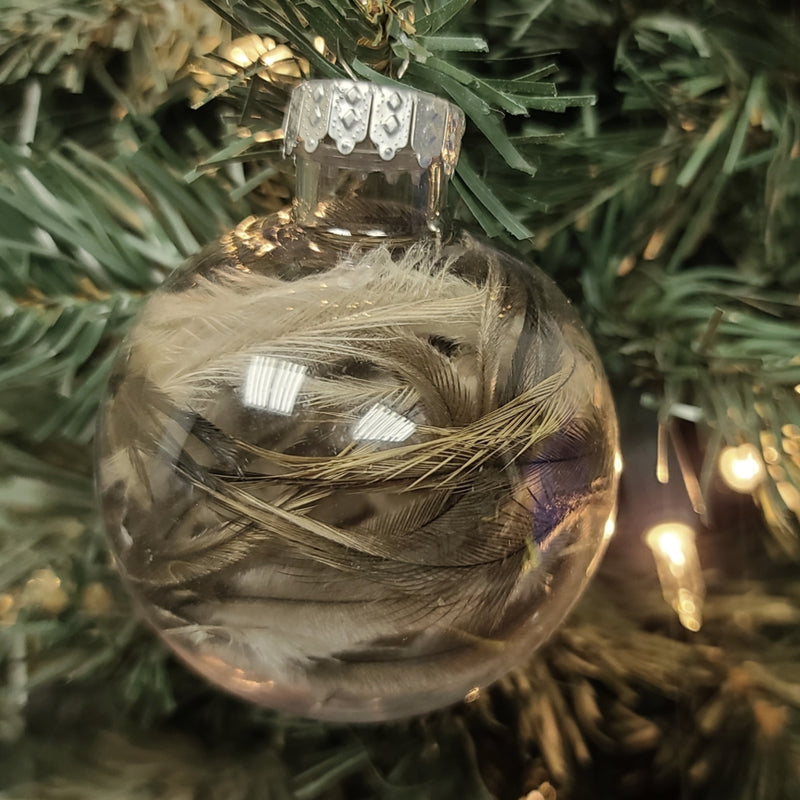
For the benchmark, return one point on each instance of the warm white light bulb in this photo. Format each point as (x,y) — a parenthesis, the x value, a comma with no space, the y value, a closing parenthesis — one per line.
(671,545)
(741,467)
(678,566)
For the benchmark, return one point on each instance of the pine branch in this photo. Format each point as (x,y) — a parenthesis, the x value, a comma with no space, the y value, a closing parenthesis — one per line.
(640,212)
(83,237)
(68,43)
(395,42)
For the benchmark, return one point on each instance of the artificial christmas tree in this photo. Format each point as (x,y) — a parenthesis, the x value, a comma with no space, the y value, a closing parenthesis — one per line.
(664,203)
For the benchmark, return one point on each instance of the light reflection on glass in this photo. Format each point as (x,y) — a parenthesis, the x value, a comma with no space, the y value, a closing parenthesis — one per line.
(273,384)
(610,526)
(382,424)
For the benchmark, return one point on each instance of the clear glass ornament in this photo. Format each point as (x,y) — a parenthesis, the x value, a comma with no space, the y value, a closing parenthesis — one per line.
(353,464)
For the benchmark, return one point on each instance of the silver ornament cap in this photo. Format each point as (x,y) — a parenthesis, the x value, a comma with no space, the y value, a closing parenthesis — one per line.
(391,119)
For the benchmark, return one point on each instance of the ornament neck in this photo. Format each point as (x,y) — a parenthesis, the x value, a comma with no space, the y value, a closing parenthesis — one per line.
(361,194)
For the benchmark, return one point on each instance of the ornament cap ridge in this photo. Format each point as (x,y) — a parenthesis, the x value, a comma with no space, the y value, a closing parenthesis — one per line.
(391,118)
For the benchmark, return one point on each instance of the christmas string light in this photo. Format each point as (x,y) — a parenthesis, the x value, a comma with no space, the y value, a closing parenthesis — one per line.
(662,502)
(741,467)
(679,571)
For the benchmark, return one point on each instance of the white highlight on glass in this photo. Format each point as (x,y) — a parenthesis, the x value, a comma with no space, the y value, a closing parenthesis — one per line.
(273,384)
(382,424)
(609,529)
(741,467)
(678,566)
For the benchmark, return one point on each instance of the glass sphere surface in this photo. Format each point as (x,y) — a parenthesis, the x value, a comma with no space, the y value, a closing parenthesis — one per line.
(352,477)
